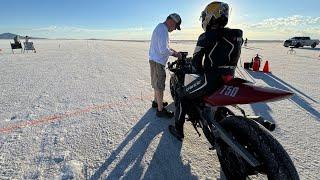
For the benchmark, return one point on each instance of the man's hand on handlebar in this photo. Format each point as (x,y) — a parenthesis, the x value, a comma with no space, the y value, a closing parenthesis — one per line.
(177,54)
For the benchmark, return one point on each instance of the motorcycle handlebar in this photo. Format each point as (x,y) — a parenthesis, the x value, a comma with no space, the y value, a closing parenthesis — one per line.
(178,61)
(170,65)
(184,55)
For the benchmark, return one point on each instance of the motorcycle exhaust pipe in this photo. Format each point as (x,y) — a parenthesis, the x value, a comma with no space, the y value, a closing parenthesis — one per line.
(265,123)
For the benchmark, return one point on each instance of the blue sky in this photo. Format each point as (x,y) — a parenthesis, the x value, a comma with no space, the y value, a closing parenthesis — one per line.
(116,19)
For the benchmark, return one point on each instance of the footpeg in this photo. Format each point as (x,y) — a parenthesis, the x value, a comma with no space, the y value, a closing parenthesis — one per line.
(265,123)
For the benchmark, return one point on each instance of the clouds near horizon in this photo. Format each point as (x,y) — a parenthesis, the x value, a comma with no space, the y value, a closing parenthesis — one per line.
(276,28)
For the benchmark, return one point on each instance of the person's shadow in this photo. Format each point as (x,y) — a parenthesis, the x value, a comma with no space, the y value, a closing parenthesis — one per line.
(166,162)
(276,82)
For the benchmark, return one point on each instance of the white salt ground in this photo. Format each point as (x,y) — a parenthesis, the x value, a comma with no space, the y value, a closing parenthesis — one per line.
(81,109)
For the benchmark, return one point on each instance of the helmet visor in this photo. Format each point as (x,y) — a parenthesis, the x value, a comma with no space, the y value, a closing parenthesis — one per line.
(224,10)
(203,16)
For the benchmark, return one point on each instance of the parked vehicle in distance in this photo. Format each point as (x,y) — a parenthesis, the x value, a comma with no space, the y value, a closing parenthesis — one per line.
(300,42)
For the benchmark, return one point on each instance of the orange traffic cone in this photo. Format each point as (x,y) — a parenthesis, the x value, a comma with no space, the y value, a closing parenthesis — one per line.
(266,67)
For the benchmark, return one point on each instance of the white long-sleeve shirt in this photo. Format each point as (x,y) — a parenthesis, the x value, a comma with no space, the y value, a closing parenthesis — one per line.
(159,47)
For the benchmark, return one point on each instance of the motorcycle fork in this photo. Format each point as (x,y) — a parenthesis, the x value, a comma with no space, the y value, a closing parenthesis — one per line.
(207,114)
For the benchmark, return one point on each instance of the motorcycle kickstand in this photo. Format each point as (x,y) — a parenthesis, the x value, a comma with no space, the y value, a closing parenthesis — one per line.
(195,127)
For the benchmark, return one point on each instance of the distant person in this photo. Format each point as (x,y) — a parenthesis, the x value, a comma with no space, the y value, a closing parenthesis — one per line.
(16,40)
(27,39)
(28,45)
(159,53)
(245,42)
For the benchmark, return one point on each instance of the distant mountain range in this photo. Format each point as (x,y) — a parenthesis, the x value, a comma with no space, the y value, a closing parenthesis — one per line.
(11,36)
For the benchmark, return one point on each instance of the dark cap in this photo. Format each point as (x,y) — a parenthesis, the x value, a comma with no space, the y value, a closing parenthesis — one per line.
(176,18)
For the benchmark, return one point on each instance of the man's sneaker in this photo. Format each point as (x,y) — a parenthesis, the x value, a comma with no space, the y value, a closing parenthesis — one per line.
(178,134)
(165,113)
(155,104)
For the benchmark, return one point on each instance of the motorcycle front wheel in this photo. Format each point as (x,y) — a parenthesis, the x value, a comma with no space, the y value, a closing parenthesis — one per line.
(275,163)
(173,86)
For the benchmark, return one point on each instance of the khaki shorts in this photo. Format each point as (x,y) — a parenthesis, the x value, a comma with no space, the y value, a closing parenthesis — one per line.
(158,75)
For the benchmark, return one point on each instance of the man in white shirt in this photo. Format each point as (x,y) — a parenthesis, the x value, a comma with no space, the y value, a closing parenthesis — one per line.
(159,53)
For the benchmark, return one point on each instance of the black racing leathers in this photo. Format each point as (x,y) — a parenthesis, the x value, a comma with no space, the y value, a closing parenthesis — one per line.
(216,55)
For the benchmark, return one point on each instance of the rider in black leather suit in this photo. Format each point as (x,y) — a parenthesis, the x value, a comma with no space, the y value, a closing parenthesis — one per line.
(216,55)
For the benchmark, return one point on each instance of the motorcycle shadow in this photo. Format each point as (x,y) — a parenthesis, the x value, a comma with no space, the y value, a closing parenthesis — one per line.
(298,98)
(165,162)
(309,48)
(309,57)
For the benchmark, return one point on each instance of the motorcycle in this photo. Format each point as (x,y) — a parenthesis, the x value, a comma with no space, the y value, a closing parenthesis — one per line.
(243,143)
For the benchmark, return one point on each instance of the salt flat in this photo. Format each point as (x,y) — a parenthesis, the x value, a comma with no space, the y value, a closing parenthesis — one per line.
(81,108)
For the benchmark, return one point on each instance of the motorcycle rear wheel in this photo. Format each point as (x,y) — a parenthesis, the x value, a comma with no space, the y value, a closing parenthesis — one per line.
(275,162)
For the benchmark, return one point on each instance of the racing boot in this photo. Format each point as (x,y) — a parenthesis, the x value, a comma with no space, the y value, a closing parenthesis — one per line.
(155,104)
